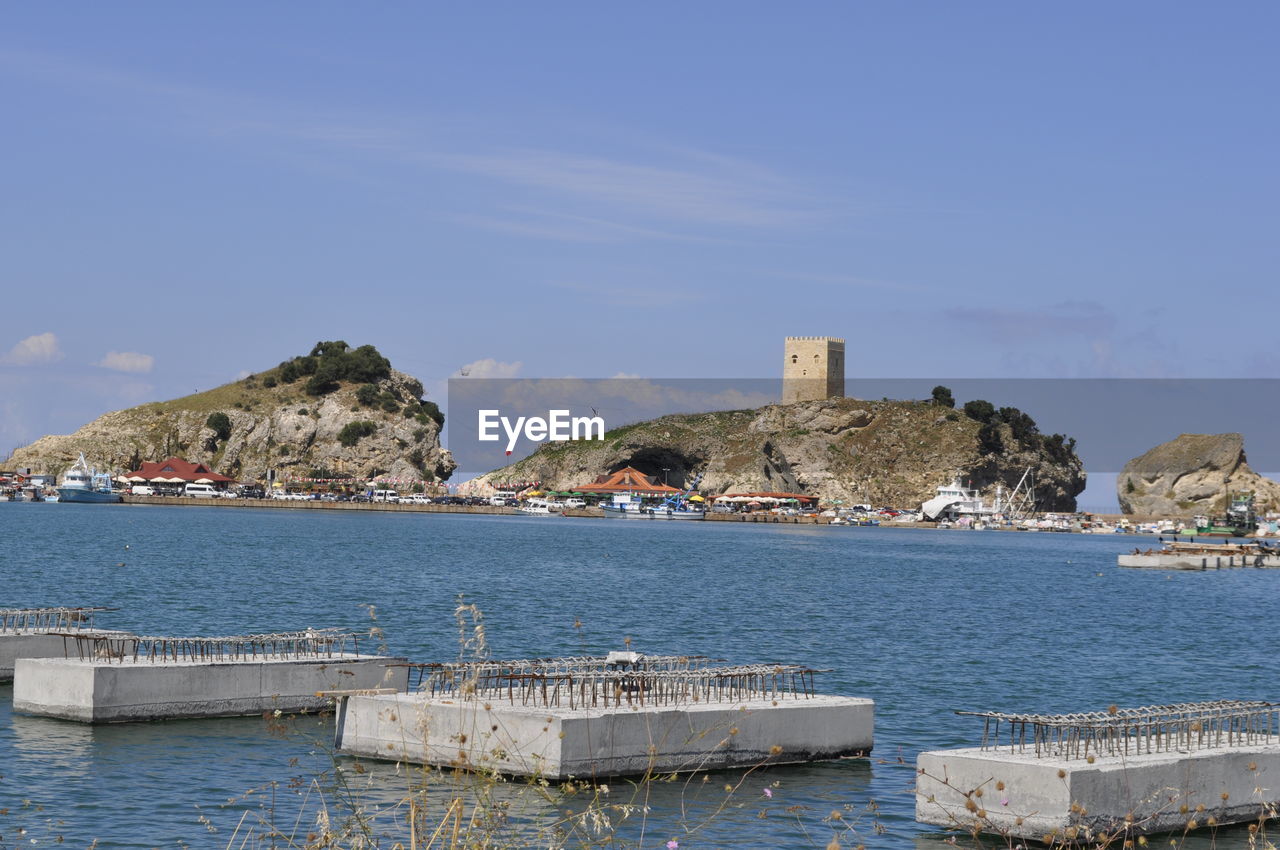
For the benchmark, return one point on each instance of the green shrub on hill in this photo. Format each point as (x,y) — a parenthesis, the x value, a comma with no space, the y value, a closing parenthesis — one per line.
(330,364)
(220,424)
(353,432)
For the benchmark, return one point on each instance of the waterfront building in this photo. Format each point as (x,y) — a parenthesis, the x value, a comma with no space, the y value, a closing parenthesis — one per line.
(627,480)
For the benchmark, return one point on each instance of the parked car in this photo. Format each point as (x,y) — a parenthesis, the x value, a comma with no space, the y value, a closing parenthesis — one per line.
(141,490)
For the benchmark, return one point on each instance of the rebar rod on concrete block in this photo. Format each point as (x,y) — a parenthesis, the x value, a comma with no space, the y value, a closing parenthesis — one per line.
(1179,727)
(37,620)
(308,644)
(611,681)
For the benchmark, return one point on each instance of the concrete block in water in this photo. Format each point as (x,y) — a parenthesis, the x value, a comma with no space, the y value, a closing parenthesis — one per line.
(556,742)
(34,644)
(1028,797)
(108,691)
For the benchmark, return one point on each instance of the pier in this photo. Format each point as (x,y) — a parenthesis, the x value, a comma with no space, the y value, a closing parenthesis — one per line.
(41,633)
(1203,556)
(118,678)
(1114,774)
(623,714)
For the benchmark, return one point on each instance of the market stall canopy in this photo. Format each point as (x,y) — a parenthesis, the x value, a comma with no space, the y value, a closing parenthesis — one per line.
(773,497)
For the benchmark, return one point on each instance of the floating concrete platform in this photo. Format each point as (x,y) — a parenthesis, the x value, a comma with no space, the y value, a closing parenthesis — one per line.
(1140,778)
(604,721)
(42,633)
(1188,561)
(115,690)
(1203,556)
(15,645)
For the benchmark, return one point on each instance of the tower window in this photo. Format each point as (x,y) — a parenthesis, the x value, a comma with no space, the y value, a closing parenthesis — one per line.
(795,358)
(815,358)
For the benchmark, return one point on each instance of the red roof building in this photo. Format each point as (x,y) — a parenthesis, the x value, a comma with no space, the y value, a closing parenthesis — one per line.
(176,467)
(627,480)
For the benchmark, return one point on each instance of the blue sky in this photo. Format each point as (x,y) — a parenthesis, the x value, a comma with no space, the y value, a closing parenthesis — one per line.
(661,189)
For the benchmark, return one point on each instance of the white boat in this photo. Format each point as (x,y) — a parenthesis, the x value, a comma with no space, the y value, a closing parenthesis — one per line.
(83,483)
(540,507)
(955,501)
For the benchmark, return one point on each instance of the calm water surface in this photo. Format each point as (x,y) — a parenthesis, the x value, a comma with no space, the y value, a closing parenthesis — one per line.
(924,622)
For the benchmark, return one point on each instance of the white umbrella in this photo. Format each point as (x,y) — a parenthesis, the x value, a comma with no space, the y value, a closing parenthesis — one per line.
(160,480)
(204,480)
(137,478)
(174,480)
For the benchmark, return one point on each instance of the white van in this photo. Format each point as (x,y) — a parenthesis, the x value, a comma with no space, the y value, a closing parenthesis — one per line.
(141,490)
(386,496)
(200,491)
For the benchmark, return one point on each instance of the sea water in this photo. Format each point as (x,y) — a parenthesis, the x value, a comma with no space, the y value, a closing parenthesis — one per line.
(923,622)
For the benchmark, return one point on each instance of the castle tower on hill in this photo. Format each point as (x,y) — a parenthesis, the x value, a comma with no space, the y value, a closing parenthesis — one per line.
(812,369)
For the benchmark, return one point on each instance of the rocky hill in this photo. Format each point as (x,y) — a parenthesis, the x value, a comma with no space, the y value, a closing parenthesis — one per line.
(883,452)
(335,412)
(1192,474)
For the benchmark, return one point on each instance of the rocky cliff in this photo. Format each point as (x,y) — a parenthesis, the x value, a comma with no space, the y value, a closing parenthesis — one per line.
(882,452)
(1192,474)
(310,417)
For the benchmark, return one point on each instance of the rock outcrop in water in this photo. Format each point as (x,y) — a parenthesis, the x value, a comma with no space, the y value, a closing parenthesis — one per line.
(1192,474)
(334,413)
(881,452)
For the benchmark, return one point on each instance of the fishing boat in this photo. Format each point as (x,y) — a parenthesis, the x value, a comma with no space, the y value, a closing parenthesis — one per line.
(1240,521)
(680,506)
(83,483)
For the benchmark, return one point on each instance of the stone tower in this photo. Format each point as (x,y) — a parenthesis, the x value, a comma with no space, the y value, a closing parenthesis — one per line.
(812,369)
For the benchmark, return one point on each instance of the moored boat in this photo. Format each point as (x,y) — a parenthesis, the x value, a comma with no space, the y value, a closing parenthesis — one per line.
(681,506)
(540,507)
(83,483)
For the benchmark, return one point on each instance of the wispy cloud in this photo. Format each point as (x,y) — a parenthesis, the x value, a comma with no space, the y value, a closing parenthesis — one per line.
(658,191)
(632,295)
(849,281)
(489,368)
(565,227)
(1067,319)
(127,361)
(41,348)
(723,193)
